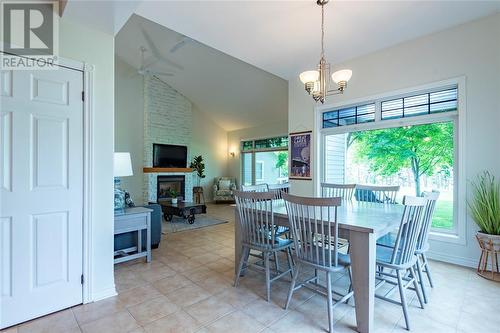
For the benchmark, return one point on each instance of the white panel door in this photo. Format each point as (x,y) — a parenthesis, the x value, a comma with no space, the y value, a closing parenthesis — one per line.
(41,184)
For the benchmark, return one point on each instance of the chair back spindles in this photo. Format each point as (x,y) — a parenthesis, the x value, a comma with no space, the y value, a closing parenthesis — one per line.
(409,230)
(344,191)
(255,188)
(432,198)
(278,189)
(373,193)
(313,222)
(255,210)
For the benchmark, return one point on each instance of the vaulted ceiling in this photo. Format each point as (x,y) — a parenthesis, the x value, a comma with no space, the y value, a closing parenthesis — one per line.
(245,50)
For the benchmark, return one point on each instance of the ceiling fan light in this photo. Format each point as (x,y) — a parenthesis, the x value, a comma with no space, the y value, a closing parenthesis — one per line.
(309,76)
(342,75)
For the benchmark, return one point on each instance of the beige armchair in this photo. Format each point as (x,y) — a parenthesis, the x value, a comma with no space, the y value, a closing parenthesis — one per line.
(223,189)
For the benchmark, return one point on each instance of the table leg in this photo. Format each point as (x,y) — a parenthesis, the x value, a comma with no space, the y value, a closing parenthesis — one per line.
(139,241)
(237,241)
(148,239)
(363,277)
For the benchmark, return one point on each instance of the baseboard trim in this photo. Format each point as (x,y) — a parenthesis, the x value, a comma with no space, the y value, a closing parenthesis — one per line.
(461,261)
(106,293)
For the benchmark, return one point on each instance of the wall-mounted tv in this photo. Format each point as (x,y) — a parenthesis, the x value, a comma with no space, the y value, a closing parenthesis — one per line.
(169,156)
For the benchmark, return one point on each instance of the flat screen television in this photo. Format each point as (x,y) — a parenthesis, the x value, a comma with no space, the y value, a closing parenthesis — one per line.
(169,156)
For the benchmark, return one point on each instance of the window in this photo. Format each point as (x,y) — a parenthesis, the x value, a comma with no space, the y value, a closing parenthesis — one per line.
(359,144)
(349,116)
(264,161)
(417,105)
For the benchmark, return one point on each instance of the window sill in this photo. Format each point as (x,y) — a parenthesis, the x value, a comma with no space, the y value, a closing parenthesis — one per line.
(447,237)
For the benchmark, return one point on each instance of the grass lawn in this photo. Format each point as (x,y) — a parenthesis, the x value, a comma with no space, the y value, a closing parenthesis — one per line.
(443,215)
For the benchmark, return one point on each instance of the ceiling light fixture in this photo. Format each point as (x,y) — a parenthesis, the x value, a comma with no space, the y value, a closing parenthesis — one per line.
(317,82)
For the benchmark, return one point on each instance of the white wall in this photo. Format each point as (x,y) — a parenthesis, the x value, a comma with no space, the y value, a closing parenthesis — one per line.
(80,43)
(129,124)
(267,130)
(471,50)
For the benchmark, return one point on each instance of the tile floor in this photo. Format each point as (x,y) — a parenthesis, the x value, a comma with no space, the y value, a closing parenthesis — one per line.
(188,288)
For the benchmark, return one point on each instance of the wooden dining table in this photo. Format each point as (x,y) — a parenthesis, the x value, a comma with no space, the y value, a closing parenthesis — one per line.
(362,223)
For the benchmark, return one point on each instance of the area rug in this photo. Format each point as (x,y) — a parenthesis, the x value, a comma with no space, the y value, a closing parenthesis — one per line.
(179,224)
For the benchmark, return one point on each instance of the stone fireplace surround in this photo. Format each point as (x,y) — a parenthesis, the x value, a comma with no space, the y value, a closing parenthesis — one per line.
(167,120)
(151,189)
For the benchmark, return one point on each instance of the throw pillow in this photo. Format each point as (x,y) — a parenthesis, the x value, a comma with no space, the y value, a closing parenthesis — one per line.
(224,184)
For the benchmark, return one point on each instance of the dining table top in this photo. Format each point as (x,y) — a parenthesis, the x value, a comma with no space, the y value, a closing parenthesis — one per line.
(377,218)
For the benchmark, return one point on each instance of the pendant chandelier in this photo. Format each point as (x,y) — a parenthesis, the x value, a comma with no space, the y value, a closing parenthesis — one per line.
(317,82)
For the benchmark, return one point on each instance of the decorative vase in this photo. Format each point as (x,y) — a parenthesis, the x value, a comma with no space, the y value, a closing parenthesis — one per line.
(174,201)
(490,247)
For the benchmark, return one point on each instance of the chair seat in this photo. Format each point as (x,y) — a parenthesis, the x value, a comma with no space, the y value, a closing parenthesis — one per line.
(343,260)
(387,240)
(384,256)
(390,239)
(282,230)
(279,243)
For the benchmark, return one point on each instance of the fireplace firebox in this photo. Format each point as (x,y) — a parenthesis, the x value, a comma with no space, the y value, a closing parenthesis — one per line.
(167,183)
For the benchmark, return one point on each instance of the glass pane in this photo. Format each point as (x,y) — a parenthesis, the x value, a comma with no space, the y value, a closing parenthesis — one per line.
(397,113)
(368,108)
(444,107)
(416,110)
(445,95)
(391,105)
(246,145)
(347,121)
(350,112)
(278,142)
(330,123)
(386,156)
(366,118)
(271,167)
(416,100)
(246,164)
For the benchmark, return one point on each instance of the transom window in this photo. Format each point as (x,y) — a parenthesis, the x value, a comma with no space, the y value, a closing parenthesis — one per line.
(428,103)
(432,102)
(349,116)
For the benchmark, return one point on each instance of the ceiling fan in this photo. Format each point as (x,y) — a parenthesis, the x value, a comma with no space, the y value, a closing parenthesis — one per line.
(144,70)
(157,54)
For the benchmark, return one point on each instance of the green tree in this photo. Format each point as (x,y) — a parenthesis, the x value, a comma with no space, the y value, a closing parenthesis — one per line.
(425,149)
(282,162)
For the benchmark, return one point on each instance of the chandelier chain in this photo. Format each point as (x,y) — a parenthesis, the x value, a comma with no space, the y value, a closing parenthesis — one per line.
(322,31)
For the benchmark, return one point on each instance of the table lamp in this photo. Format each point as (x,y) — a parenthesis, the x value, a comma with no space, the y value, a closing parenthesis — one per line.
(122,167)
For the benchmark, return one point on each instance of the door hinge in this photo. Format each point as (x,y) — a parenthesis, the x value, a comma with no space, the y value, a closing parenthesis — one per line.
(83,96)
(81,279)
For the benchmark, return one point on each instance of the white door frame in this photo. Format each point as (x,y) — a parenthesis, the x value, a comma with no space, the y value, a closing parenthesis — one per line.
(88,161)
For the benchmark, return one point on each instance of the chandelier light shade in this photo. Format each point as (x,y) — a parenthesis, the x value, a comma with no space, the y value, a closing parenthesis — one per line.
(343,75)
(317,82)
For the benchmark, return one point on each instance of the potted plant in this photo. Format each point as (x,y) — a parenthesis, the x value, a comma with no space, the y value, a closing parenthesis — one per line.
(485,210)
(199,166)
(173,194)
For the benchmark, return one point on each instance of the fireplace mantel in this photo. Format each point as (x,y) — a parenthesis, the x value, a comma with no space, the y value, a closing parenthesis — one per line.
(160,170)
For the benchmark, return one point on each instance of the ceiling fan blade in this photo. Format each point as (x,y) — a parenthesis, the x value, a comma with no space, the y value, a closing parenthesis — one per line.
(180,44)
(156,53)
(163,74)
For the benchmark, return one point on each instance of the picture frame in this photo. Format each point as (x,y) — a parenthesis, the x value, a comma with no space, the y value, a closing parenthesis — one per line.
(300,149)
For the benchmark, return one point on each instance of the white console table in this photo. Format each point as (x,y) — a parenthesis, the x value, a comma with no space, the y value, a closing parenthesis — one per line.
(134,219)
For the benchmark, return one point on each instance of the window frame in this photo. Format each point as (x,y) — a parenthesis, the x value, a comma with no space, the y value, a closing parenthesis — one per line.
(261,163)
(253,151)
(458,236)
